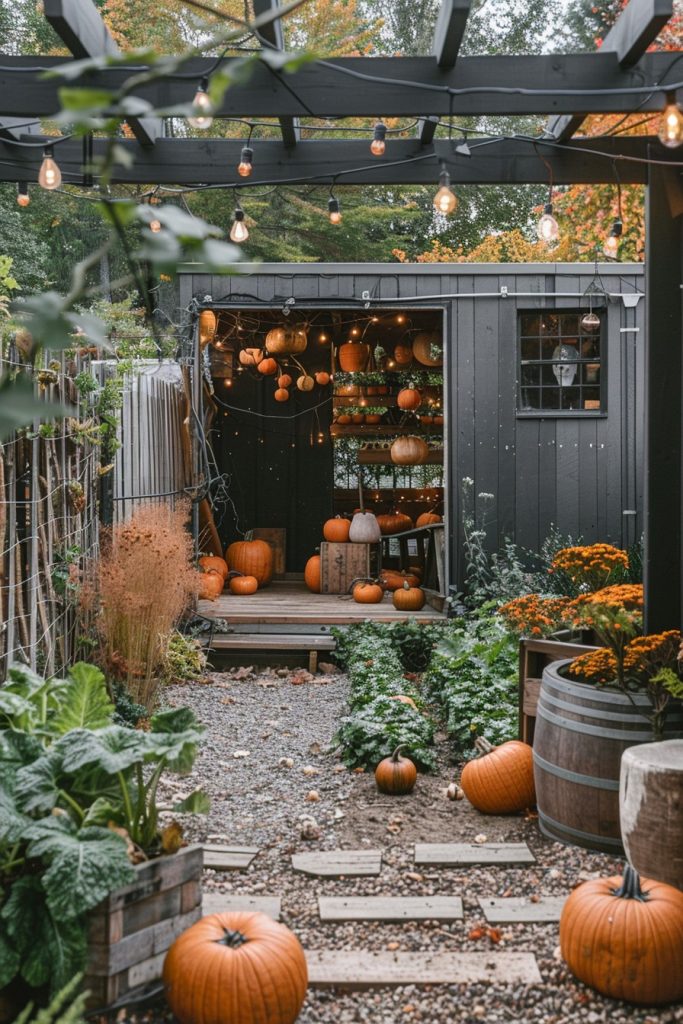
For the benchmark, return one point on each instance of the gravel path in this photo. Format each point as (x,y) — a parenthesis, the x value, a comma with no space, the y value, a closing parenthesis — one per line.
(267,765)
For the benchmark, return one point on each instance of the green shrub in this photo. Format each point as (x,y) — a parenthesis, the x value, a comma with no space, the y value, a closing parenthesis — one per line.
(415,642)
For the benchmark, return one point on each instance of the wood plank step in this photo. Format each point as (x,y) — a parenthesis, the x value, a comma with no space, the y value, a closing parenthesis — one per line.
(228,858)
(361,969)
(277,642)
(456,854)
(333,863)
(390,908)
(520,909)
(227,903)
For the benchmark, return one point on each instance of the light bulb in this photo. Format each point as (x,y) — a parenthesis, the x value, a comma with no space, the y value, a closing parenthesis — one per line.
(378,145)
(23,198)
(245,166)
(204,107)
(590,321)
(548,229)
(333,210)
(155,226)
(49,176)
(445,200)
(671,126)
(611,246)
(238,231)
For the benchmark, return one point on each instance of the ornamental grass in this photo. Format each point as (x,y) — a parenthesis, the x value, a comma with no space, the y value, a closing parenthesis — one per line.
(144,581)
(590,567)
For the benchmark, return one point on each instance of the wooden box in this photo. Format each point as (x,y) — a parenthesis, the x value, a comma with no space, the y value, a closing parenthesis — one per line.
(534,655)
(276,536)
(341,564)
(130,932)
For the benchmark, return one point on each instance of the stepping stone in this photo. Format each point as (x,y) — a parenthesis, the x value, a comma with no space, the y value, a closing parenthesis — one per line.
(390,908)
(517,909)
(228,858)
(360,969)
(226,903)
(332,863)
(456,854)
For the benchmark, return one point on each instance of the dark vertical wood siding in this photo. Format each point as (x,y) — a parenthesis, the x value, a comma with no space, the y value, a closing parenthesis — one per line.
(577,473)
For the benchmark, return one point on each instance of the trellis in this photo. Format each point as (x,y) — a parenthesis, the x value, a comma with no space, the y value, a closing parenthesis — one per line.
(619,78)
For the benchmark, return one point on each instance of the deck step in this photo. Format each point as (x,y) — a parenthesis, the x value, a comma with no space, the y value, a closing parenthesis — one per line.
(272,642)
(361,969)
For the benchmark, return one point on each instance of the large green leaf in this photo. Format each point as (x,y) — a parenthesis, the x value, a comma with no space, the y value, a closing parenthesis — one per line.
(9,958)
(38,784)
(177,720)
(53,325)
(85,703)
(12,821)
(20,406)
(196,803)
(17,749)
(113,749)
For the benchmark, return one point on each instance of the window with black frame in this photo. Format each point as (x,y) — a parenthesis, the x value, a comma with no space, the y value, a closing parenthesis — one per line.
(561,365)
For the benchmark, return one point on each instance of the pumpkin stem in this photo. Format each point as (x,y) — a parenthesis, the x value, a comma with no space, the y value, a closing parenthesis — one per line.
(232,939)
(630,888)
(483,745)
(397,753)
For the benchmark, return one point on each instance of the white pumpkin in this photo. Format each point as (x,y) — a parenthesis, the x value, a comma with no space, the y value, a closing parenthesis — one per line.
(364,529)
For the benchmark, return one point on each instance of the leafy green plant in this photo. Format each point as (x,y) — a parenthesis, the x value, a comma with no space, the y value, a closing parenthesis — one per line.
(184,659)
(415,643)
(66,1007)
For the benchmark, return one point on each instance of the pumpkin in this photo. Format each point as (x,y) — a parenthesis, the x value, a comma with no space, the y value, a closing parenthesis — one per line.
(286,340)
(312,574)
(428,348)
(353,356)
(624,937)
(394,522)
(322,378)
(207,326)
(409,451)
(396,775)
(393,580)
(343,419)
(215,563)
(236,968)
(210,585)
(252,558)
(501,780)
(428,519)
(401,697)
(408,398)
(243,585)
(305,383)
(336,530)
(250,356)
(367,592)
(284,381)
(408,599)
(364,528)
(267,367)
(403,355)
(281,395)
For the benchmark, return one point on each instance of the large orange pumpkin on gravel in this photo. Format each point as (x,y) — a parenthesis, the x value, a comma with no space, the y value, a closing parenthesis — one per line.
(312,574)
(215,563)
(501,781)
(337,530)
(251,558)
(236,968)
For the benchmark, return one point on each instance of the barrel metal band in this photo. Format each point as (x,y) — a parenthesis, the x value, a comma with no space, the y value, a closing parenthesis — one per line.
(592,730)
(581,780)
(543,819)
(601,713)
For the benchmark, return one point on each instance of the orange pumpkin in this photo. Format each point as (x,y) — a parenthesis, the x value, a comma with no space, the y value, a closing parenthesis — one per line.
(286,340)
(322,378)
(409,451)
(312,574)
(428,348)
(501,781)
(392,579)
(243,585)
(353,356)
(408,599)
(624,937)
(367,592)
(394,522)
(267,367)
(213,562)
(336,530)
(210,585)
(284,381)
(396,775)
(428,519)
(408,398)
(252,558)
(305,383)
(250,356)
(207,326)
(281,395)
(236,968)
(403,355)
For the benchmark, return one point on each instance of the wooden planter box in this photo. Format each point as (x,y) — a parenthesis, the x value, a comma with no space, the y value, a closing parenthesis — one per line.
(130,932)
(534,656)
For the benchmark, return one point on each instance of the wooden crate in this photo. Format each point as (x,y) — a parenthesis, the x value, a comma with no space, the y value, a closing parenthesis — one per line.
(534,655)
(276,536)
(130,932)
(340,564)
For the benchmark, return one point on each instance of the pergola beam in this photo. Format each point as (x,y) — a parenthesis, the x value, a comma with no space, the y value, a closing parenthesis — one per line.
(211,161)
(637,26)
(273,35)
(450,28)
(426,128)
(15,127)
(79,24)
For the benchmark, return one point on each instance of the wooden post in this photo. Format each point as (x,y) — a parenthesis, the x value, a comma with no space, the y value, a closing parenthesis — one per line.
(662,563)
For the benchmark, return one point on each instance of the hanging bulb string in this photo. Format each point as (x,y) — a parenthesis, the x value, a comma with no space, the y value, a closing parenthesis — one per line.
(273,416)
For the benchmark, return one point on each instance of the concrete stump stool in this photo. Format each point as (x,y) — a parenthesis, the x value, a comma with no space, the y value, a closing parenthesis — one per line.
(651,809)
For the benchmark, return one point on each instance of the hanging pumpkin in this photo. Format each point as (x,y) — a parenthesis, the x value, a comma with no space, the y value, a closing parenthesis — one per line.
(322,378)
(207,326)
(624,937)
(282,341)
(428,519)
(408,599)
(312,574)
(236,968)
(242,585)
(284,381)
(394,522)
(409,451)
(209,585)
(267,367)
(336,530)
(428,348)
(403,355)
(305,383)
(364,528)
(353,356)
(250,356)
(393,580)
(275,336)
(213,562)
(367,592)
(501,780)
(408,399)
(252,558)
(396,775)
(281,395)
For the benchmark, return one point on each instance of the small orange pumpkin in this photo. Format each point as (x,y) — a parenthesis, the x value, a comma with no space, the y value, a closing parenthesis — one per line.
(281,395)
(243,585)
(394,522)
(322,378)
(312,574)
(408,399)
(501,780)
(409,451)
(367,592)
(353,356)
(305,383)
(250,356)
(210,585)
(408,599)
(267,367)
(403,355)
(336,531)
(215,563)
(252,558)
(396,775)
(284,381)
(392,579)
(428,519)
(207,326)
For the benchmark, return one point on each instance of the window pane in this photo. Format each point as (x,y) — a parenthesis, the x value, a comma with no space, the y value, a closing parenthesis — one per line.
(559,363)
(570,324)
(530,325)
(530,348)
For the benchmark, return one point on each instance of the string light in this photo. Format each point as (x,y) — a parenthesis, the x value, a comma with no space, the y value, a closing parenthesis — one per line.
(155,224)
(323,338)
(49,176)
(203,106)
(238,231)
(445,201)
(246,164)
(671,127)
(333,210)
(548,229)
(611,247)
(23,198)
(378,144)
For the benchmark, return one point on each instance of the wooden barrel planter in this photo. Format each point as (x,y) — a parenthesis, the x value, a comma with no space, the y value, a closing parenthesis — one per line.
(651,810)
(581,733)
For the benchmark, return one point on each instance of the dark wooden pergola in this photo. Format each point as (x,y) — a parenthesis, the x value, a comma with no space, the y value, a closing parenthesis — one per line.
(620,78)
